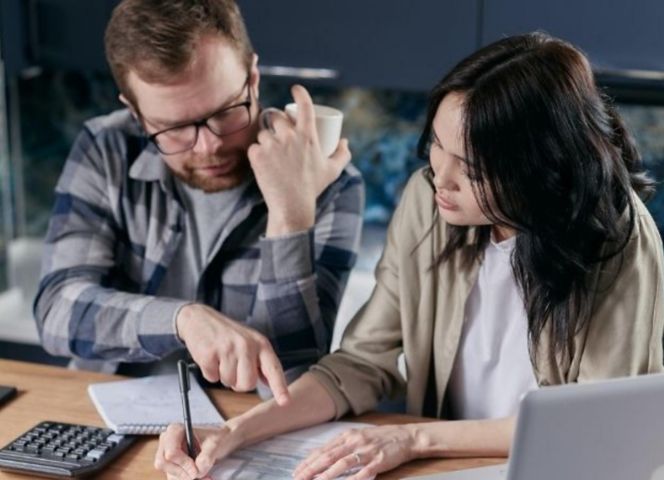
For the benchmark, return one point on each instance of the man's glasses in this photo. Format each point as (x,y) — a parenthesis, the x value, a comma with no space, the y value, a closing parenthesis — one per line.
(223,122)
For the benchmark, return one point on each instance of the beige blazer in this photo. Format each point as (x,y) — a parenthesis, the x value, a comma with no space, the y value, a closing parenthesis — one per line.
(419,310)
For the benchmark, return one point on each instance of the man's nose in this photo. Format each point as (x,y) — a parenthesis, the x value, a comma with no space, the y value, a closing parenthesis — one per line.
(207,142)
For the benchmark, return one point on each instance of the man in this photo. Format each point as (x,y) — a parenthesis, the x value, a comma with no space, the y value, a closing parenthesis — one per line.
(173,229)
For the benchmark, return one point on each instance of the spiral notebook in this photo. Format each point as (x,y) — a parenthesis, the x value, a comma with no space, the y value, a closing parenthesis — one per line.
(145,406)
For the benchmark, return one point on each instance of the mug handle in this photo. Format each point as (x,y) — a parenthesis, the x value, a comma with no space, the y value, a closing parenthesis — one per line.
(264,118)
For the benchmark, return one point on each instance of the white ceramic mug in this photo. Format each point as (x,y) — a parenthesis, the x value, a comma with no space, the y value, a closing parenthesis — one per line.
(328,124)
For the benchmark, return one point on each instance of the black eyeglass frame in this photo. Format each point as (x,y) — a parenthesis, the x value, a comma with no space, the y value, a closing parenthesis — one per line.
(204,122)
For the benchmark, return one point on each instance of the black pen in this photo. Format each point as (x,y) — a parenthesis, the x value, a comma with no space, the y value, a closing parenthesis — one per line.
(183,375)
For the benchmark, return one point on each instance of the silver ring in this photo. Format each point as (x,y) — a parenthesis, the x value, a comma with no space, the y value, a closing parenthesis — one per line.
(358,458)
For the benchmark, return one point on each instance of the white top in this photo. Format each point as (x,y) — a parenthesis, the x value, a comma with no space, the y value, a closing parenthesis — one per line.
(492,369)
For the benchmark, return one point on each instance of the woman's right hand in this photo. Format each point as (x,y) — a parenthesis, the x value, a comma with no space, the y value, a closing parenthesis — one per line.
(211,445)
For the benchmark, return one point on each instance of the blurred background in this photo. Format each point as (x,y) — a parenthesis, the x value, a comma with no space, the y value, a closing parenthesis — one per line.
(374,59)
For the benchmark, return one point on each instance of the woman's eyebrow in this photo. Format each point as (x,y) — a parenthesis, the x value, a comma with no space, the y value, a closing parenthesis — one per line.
(436,139)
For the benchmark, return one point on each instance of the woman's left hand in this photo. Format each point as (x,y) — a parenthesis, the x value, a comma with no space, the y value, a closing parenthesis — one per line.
(372,450)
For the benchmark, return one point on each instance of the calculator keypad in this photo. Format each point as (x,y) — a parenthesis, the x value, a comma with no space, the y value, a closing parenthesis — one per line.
(65,450)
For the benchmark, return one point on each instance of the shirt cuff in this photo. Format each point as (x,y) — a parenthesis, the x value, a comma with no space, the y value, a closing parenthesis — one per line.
(176,312)
(341,404)
(287,257)
(157,326)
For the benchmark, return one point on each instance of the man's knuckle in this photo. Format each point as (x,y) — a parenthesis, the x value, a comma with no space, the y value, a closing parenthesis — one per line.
(255,152)
(209,365)
(225,343)
(243,384)
(170,455)
(309,138)
(242,346)
(258,338)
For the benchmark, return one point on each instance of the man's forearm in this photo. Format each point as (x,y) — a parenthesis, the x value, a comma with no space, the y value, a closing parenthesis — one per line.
(72,316)
(304,273)
(287,298)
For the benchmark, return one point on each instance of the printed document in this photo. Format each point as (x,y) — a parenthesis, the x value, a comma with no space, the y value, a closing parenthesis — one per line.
(275,459)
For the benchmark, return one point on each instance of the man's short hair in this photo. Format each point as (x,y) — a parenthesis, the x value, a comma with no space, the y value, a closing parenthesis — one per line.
(157,38)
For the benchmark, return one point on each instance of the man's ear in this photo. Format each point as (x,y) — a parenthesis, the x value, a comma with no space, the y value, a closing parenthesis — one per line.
(255,76)
(125,101)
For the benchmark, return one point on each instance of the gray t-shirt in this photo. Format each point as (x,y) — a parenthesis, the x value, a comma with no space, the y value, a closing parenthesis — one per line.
(205,217)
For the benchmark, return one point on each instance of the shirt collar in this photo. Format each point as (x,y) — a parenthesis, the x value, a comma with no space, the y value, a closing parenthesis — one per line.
(149,166)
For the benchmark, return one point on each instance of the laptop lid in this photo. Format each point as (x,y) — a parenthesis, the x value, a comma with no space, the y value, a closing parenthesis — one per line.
(607,430)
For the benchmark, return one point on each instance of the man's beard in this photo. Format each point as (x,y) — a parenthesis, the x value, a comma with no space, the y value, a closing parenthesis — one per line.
(211,184)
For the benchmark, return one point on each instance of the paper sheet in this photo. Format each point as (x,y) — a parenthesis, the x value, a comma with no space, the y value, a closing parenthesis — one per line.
(275,459)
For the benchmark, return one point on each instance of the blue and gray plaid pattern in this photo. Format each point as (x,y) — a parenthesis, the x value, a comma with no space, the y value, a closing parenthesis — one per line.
(117,223)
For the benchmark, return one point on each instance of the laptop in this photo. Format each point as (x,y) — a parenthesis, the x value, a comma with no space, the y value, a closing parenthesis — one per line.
(606,430)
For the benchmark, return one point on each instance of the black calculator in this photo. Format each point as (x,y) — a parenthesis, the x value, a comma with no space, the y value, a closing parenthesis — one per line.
(63,450)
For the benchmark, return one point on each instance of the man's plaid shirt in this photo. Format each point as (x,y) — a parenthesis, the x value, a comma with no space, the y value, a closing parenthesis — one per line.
(116,225)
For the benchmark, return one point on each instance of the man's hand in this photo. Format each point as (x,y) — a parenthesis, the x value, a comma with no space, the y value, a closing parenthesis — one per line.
(290,169)
(229,352)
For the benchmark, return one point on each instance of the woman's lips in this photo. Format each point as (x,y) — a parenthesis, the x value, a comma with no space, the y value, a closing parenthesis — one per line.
(445,204)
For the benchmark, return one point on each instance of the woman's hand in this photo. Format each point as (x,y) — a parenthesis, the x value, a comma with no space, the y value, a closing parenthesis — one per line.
(369,451)
(211,445)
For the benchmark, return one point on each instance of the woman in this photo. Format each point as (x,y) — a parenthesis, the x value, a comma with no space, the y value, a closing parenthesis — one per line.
(522,257)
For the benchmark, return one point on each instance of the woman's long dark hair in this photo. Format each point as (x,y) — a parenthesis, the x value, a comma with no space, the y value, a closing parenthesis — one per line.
(549,157)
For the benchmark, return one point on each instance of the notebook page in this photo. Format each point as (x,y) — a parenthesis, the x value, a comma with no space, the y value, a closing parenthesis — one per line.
(149,404)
